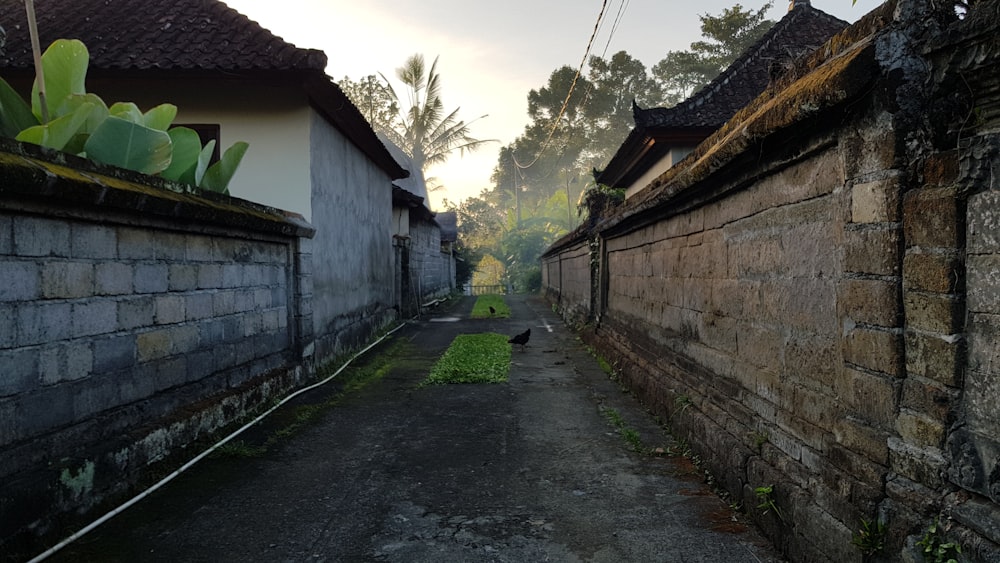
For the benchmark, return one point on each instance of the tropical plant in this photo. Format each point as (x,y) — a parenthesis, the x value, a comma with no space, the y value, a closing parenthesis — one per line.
(426,133)
(69,119)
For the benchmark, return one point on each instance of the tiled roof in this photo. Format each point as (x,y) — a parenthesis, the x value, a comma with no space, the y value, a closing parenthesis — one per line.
(801,31)
(181,35)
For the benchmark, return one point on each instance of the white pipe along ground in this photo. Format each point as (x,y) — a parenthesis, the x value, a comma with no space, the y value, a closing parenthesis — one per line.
(90,527)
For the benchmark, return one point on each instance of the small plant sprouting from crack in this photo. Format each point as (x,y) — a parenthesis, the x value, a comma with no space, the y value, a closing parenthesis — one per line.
(767,503)
(870,538)
(239,449)
(934,547)
(759,439)
(630,435)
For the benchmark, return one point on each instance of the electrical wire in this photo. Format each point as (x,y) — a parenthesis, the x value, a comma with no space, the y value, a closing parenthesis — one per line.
(572,86)
(90,527)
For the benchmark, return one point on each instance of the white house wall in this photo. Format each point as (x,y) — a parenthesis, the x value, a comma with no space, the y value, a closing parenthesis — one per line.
(668,161)
(273,118)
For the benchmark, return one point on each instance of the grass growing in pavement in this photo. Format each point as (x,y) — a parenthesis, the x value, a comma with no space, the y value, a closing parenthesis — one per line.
(630,435)
(481,310)
(473,358)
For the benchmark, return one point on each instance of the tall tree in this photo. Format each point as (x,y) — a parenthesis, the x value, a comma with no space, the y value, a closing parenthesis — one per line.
(428,134)
(375,100)
(727,35)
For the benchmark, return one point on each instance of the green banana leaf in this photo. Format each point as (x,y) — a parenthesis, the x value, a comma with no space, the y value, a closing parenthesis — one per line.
(122,143)
(204,158)
(15,114)
(187,149)
(160,117)
(65,65)
(218,175)
(127,111)
(59,132)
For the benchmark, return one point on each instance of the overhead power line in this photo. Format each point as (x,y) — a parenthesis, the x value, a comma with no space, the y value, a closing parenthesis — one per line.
(565,104)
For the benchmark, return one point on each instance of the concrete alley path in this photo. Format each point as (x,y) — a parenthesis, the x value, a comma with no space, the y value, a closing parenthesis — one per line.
(527,471)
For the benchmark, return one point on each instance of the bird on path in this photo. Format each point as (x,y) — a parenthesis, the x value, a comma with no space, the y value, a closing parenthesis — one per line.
(492,311)
(521,339)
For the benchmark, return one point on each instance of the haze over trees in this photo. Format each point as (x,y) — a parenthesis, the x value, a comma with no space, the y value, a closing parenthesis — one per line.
(543,175)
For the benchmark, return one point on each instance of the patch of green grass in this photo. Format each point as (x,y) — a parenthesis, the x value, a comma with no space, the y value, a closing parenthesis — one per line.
(239,449)
(481,310)
(473,358)
(630,435)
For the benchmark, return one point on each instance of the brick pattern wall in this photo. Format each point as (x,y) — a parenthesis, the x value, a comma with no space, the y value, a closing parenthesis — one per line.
(569,271)
(117,316)
(826,322)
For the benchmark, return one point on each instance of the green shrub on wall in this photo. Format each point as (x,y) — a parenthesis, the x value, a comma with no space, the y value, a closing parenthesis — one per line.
(120,135)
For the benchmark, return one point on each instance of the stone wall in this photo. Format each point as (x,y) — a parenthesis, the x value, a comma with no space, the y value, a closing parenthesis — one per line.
(573,296)
(124,305)
(352,279)
(810,298)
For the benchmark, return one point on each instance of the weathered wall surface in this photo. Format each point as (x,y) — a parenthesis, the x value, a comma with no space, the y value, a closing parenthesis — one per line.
(122,306)
(811,299)
(570,292)
(430,270)
(352,281)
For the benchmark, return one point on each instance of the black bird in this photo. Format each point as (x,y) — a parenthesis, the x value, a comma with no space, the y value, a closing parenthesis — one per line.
(521,339)
(492,311)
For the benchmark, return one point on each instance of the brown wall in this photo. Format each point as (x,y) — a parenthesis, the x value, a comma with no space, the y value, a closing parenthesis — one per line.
(792,298)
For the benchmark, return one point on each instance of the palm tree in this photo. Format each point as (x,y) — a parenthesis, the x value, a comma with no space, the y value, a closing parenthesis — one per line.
(426,133)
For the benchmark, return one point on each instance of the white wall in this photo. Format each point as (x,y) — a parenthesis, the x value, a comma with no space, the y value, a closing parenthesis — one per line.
(273,118)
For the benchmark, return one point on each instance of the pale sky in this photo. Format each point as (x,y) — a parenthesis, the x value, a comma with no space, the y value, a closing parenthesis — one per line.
(492,53)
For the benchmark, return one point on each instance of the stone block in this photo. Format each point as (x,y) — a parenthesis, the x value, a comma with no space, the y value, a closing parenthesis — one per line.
(920,430)
(151,278)
(38,236)
(223,303)
(979,402)
(934,357)
(244,300)
(8,325)
(65,362)
(872,251)
(170,246)
(170,309)
(67,280)
(184,339)
(114,353)
(183,277)
(928,397)
(136,312)
(6,235)
(872,151)
(875,202)
(862,439)
(41,323)
(153,345)
(868,397)
(198,306)
(97,242)
(933,312)
(941,169)
(94,317)
(20,372)
(19,281)
(931,218)
(870,301)
(136,244)
(923,465)
(876,350)
(170,372)
(113,278)
(232,276)
(210,276)
(95,397)
(198,248)
(983,284)
(983,226)
(940,272)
